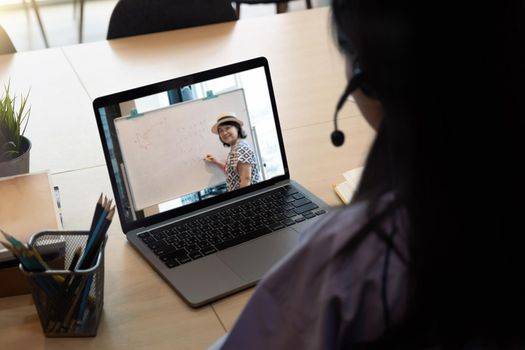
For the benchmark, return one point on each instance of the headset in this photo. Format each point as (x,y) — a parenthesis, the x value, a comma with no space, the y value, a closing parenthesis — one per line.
(337,136)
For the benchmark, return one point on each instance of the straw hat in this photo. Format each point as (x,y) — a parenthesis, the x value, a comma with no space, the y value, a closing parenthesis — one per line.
(225,117)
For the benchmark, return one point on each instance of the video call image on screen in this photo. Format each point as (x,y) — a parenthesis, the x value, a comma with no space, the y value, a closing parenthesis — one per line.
(191,143)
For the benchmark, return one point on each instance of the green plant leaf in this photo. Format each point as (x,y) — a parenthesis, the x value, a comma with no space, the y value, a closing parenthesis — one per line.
(14,118)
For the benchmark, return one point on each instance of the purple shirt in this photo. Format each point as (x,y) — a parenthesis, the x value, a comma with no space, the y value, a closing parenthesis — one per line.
(327,292)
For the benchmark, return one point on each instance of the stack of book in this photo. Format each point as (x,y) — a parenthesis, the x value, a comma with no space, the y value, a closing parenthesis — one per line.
(346,189)
(28,206)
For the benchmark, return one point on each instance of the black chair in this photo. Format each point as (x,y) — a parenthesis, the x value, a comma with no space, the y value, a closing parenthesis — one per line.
(135,17)
(6,45)
(282,5)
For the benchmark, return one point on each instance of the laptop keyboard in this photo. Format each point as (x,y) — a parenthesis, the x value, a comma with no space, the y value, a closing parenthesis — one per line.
(208,233)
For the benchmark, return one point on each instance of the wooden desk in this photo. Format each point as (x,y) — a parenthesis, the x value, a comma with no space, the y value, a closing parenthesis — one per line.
(140,310)
(307,70)
(61,127)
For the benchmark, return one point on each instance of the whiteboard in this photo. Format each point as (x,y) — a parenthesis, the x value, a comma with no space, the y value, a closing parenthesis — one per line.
(163,150)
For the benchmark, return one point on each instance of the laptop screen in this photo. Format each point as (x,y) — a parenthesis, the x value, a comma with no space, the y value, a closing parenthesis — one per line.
(183,144)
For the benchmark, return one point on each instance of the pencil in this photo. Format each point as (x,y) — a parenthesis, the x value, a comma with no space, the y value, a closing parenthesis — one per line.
(83,301)
(8,246)
(98,210)
(72,267)
(73,301)
(107,223)
(78,282)
(61,300)
(32,261)
(93,234)
(14,242)
(39,258)
(90,261)
(91,256)
(45,266)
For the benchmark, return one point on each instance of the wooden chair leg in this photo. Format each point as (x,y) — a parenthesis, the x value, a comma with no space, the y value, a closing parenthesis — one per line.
(37,13)
(308,4)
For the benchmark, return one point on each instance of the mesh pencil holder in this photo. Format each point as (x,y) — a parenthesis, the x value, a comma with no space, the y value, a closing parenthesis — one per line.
(69,303)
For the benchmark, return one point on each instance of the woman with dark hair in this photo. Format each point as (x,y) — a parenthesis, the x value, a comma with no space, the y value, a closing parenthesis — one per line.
(429,253)
(241,167)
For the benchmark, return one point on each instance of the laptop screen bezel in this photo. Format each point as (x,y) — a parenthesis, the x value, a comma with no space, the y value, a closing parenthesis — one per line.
(159,87)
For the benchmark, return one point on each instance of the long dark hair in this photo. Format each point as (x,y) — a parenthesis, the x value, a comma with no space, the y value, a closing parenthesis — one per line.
(451,81)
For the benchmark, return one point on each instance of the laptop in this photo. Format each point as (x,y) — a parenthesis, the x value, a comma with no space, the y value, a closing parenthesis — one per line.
(206,237)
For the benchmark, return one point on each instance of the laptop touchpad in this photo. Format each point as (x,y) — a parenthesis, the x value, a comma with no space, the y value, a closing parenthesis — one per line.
(251,260)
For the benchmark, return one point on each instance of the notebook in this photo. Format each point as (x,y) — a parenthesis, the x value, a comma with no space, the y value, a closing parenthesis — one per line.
(189,218)
(346,189)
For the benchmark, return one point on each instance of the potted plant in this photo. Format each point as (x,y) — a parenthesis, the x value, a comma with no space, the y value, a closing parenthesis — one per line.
(14,146)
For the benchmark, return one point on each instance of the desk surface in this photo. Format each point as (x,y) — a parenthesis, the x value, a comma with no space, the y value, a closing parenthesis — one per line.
(140,309)
(307,69)
(61,127)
